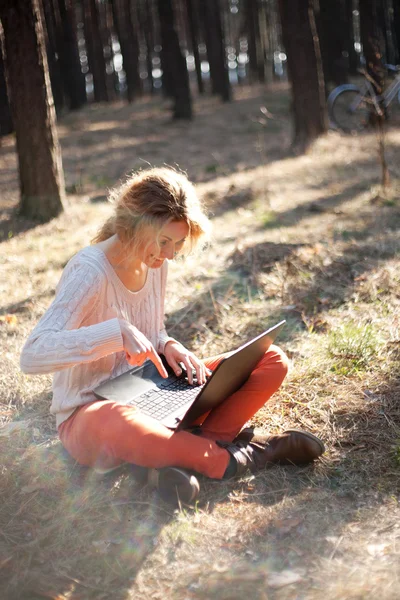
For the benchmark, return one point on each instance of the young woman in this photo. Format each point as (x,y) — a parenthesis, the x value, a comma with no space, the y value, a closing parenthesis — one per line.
(108,314)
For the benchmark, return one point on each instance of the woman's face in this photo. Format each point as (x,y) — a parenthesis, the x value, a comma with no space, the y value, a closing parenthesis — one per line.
(166,244)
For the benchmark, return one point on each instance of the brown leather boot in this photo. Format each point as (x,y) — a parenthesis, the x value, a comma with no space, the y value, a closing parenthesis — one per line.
(292,447)
(174,485)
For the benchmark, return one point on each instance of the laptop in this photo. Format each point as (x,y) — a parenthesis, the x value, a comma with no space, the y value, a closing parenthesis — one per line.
(173,401)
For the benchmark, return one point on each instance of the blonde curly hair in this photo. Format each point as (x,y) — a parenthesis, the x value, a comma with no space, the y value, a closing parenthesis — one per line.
(153,198)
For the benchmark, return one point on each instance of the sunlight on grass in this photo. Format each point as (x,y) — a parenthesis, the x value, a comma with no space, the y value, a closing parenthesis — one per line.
(353,346)
(68,533)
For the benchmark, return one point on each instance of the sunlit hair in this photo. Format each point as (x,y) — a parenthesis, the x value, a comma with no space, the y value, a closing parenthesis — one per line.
(153,198)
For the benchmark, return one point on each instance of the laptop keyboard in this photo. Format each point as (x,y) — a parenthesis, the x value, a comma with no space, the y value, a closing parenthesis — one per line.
(161,402)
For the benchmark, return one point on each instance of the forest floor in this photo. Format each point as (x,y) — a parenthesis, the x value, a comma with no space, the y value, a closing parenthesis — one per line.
(312,239)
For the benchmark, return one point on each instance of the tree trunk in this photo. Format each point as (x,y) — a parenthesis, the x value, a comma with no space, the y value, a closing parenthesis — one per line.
(274,36)
(40,167)
(71,73)
(396,27)
(372,42)
(174,62)
(6,124)
(146,26)
(349,33)
(214,36)
(126,30)
(305,71)
(381,8)
(94,48)
(49,26)
(331,27)
(256,51)
(193,28)
(389,34)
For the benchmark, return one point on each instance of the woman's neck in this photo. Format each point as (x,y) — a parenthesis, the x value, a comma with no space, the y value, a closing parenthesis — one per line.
(130,269)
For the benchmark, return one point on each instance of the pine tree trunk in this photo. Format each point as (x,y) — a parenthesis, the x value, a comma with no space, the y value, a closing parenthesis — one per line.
(94,48)
(40,167)
(352,54)
(331,27)
(193,28)
(146,25)
(372,41)
(390,37)
(381,9)
(273,32)
(73,78)
(214,36)
(174,62)
(126,29)
(256,51)
(396,27)
(6,124)
(50,34)
(305,71)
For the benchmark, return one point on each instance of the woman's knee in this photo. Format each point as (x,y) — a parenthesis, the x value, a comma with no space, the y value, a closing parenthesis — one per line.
(277,361)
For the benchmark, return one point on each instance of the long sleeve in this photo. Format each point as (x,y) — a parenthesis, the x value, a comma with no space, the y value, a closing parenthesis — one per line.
(163,336)
(60,339)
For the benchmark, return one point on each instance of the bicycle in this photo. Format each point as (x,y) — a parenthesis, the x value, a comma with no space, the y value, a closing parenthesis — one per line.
(349,106)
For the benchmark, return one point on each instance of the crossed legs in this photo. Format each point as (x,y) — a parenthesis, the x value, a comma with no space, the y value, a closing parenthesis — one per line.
(105,434)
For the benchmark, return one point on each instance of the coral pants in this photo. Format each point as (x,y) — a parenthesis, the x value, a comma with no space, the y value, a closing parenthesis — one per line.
(105,434)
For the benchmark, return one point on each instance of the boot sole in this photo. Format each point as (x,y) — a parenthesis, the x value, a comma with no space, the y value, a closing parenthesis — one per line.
(175,486)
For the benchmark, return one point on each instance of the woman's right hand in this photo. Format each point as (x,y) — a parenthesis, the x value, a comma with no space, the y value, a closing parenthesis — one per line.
(138,348)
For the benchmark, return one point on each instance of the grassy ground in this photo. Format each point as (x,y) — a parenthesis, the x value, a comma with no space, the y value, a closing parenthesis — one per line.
(308,238)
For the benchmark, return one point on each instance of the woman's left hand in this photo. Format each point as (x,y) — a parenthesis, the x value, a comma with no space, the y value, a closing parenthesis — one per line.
(175,353)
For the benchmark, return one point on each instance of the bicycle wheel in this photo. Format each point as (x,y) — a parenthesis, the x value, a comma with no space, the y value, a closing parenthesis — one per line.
(348,108)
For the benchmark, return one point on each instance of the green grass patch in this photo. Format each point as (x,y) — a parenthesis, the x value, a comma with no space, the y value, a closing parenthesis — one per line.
(352,346)
(269,220)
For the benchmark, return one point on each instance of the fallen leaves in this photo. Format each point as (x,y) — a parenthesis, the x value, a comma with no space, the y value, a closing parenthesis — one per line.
(284,526)
(10,320)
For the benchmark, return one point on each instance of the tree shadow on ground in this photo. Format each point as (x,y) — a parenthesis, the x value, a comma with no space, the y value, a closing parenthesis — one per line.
(311,281)
(318,279)
(12,224)
(327,204)
(23,306)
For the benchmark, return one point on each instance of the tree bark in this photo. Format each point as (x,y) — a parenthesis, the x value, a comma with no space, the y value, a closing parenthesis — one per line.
(126,29)
(352,54)
(193,28)
(50,36)
(146,25)
(6,124)
(396,27)
(256,51)
(94,48)
(214,36)
(40,167)
(174,63)
(372,41)
(305,71)
(274,35)
(331,27)
(71,73)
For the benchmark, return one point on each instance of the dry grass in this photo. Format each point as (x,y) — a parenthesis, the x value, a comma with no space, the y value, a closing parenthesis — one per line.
(310,239)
